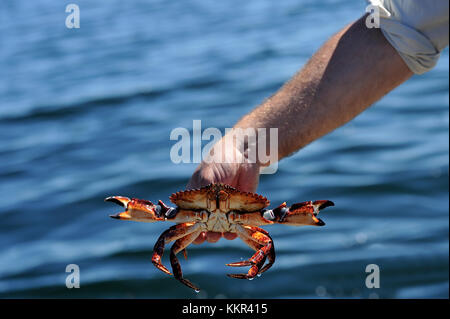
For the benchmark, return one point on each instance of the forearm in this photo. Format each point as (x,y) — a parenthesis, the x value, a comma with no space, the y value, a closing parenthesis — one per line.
(352,70)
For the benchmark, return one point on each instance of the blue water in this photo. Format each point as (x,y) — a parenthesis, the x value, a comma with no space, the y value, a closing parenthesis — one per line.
(86,113)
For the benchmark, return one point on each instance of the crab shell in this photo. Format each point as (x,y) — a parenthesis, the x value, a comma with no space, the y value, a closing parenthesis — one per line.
(219,197)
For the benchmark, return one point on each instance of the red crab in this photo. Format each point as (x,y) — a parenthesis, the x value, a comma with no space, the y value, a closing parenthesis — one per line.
(222,209)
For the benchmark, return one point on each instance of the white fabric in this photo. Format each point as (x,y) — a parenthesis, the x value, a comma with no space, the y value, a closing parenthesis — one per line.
(417,29)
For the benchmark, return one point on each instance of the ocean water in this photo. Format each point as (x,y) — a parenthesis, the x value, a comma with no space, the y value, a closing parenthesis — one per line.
(87,113)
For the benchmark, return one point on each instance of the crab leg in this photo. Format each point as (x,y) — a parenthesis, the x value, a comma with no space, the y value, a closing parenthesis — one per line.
(173,233)
(180,245)
(253,244)
(271,258)
(260,238)
(270,255)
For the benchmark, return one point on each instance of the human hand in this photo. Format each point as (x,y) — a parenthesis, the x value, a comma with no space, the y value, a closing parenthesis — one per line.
(243,176)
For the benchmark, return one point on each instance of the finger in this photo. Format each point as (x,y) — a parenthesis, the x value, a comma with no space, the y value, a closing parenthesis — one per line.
(229,236)
(248,177)
(213,237)
(200,239)
(202,176)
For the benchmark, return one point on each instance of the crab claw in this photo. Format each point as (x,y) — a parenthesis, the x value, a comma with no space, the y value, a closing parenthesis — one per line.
(304,213)
(136,209)
(119,200)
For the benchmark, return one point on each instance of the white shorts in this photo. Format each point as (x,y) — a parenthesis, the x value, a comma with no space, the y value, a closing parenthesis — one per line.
(417,29)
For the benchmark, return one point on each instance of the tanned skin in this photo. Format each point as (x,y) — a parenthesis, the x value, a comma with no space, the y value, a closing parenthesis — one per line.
(352,70)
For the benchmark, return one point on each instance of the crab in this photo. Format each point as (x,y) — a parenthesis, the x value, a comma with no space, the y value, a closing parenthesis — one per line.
(223,209)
